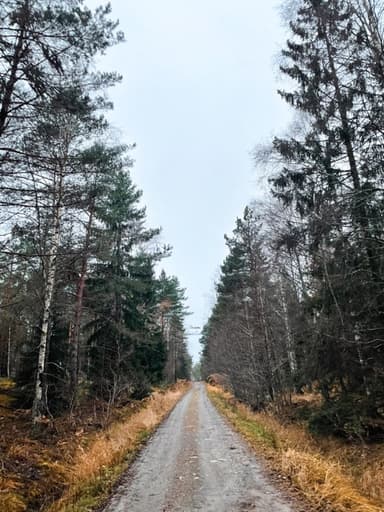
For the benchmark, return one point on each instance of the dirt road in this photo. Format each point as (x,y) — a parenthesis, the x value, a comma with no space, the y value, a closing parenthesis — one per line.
(196,462)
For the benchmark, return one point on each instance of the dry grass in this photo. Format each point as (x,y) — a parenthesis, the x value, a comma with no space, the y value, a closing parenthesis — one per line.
(73,462)
(331,474)
(6,383)
(96,467)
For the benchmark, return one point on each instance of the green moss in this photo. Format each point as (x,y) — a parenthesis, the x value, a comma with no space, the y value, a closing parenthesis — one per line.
(144,435)
(256,431)
(253,431)
(96,491)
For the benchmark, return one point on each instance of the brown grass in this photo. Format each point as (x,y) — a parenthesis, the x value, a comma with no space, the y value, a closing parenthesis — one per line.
(331,474)
(110,451)
(72,464)
(6,383)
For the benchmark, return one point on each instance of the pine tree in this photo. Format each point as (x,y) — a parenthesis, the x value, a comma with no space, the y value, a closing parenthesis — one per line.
(331,174)
(42,42)
(172,313)
(121,290)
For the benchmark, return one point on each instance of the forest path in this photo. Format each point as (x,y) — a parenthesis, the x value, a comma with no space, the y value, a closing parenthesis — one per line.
(196,462)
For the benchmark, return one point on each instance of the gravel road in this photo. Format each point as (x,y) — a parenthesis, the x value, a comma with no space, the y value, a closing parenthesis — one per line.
(195,462)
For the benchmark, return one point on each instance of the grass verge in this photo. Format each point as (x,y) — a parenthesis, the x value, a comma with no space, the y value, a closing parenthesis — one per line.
(73,464)
(97,468)
(334,476)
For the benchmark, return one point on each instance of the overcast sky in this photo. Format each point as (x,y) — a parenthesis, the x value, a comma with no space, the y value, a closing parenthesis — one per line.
(199,92)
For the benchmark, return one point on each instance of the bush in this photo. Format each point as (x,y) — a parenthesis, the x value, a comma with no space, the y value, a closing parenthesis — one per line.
(346,416)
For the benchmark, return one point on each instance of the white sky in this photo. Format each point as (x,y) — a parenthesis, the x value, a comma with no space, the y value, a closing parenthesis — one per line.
(199,92)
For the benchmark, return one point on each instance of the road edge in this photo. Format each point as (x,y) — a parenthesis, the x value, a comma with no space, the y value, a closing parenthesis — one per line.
(271,450)
(95,494)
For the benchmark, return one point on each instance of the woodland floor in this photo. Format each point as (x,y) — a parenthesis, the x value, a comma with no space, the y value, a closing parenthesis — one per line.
(332,474)
(71,463)
(33,466)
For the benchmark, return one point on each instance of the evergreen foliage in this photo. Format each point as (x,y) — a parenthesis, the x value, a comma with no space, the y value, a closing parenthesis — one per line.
(321,284)
(81,298)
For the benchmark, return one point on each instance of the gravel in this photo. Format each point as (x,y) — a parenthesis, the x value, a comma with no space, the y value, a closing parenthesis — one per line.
(196,462)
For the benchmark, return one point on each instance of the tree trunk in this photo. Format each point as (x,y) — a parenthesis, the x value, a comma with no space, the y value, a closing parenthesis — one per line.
(267,347)
(9,350)
(289,341)
(371,24)
(359,202)
(39,405)
(12,79)
(74,332)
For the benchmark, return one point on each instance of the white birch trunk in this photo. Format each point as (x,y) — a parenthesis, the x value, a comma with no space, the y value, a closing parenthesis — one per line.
(289,341)
(267,345)
(50,273)
(9,351)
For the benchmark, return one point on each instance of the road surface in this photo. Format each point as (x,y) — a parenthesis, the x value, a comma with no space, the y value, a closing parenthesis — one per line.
(195,462)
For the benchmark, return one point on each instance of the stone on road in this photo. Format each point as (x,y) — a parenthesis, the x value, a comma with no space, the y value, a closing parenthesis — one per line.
(195,462)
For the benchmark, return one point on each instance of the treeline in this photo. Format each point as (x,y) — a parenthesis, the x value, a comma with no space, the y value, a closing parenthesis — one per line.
(83,312)
(300,299)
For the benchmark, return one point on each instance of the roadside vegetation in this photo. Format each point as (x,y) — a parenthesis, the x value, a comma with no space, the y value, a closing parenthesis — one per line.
(72,463)
(332,475)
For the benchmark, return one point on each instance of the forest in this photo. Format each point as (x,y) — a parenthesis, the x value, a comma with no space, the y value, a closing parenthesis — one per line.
(299,301)
(93,330)
(85,310)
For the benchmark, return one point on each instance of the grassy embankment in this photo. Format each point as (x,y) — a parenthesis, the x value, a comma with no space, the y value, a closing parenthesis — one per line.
(71,465)
(332,474)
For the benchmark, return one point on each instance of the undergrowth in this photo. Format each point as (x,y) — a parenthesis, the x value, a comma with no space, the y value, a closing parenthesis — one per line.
(333,475)
(73,464)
